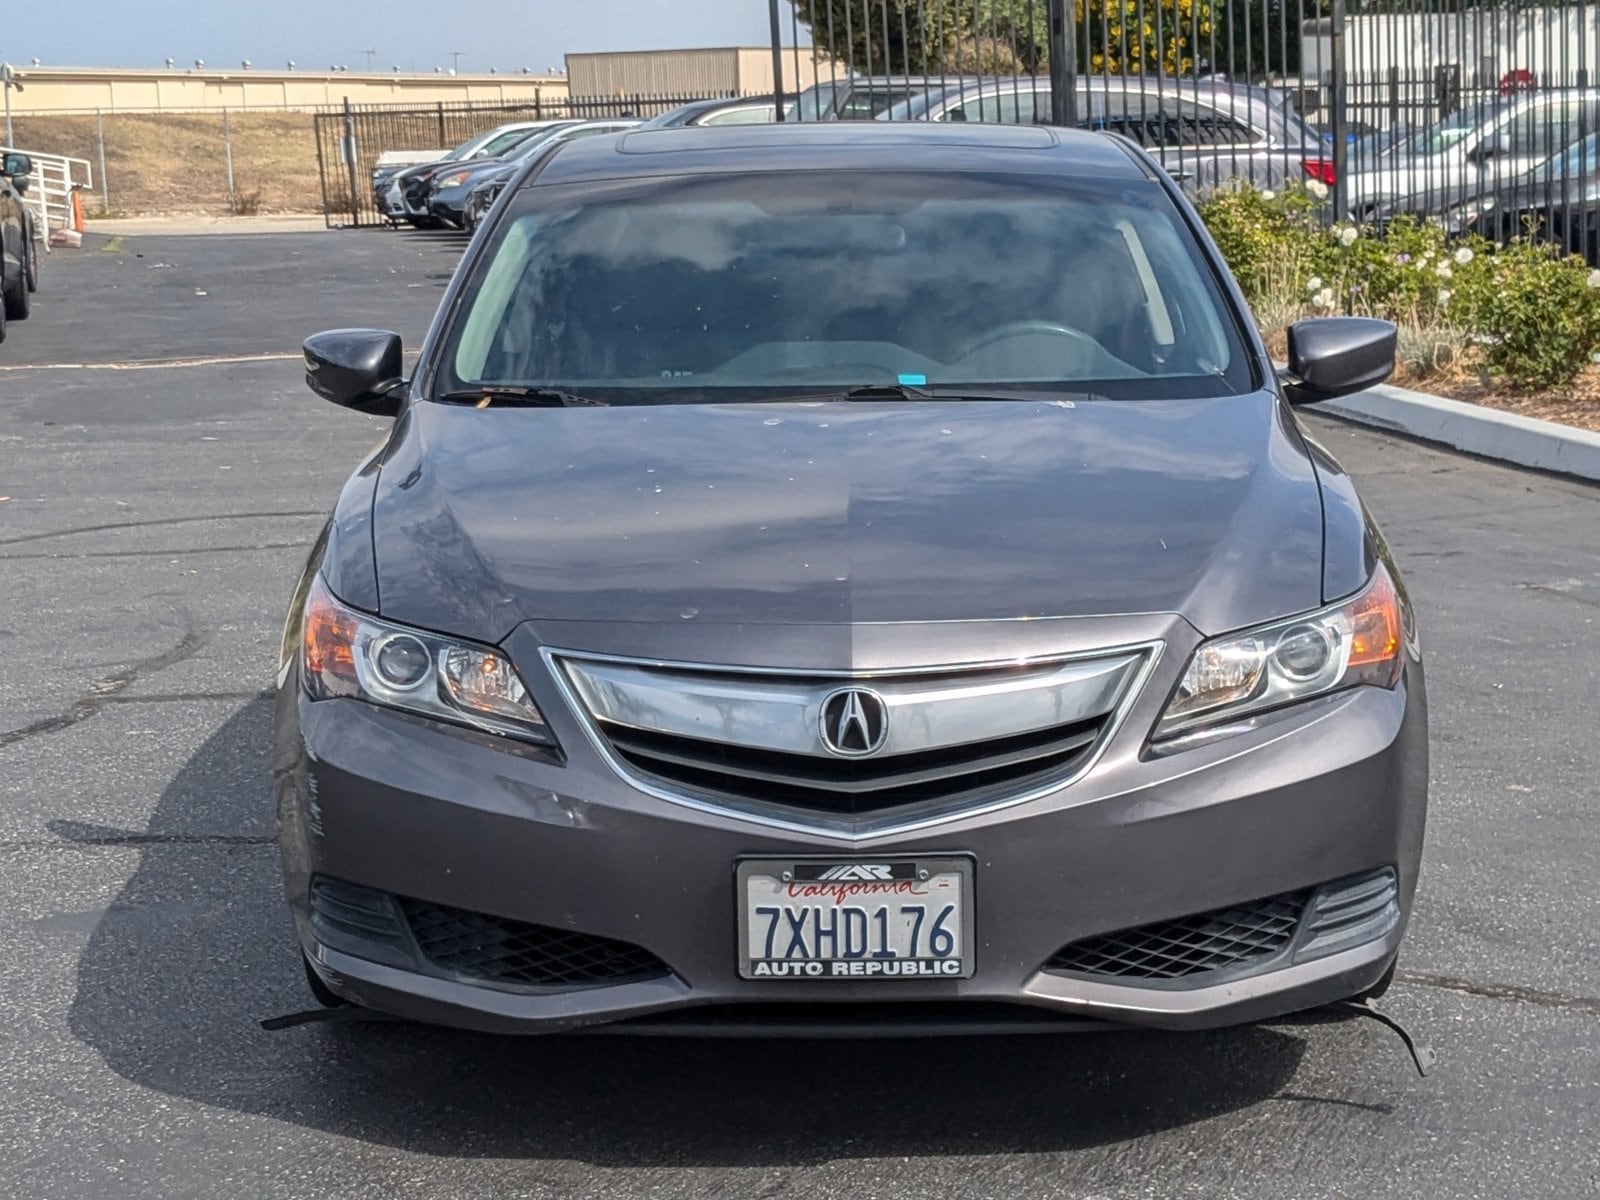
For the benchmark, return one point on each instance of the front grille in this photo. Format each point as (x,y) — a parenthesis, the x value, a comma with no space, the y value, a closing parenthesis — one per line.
(499,950)
(931,740)
(846,786)
(1245,934)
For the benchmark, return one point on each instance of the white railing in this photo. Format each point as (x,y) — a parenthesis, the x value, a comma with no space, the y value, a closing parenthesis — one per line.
(50,189)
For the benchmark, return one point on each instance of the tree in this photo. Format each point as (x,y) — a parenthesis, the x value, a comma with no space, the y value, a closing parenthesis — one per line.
(1002,37)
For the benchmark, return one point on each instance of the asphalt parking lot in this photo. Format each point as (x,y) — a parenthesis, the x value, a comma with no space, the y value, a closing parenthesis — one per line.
(163,470)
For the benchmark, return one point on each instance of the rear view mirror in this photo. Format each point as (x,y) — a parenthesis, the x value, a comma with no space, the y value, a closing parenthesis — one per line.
(1334,356)
(16,166)
(358,368)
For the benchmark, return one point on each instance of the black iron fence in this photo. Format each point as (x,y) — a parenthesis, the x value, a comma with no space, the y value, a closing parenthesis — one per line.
(1431,107)
(352,138)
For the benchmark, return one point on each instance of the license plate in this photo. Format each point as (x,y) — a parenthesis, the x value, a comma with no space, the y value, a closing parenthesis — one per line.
(889,918)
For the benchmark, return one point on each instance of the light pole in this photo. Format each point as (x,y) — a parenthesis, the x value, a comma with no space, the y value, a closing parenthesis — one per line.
(371,54)
(455,60)
(9,80)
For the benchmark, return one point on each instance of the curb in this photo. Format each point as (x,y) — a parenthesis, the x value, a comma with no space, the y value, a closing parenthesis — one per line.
(1474,429)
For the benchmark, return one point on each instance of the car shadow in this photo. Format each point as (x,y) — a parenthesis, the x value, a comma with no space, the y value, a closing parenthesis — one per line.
(198,947)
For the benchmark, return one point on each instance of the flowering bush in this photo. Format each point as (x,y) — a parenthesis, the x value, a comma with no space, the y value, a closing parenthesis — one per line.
(1533,315)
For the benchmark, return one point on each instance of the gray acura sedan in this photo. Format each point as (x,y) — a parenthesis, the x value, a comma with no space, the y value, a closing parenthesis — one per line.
(848,578)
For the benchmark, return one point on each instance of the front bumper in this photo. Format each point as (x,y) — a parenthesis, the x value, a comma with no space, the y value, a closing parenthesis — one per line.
(1327,790)
(448,204)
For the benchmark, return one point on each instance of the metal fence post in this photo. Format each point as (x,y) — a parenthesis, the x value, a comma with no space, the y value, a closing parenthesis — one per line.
(1339,86)
(227,158)
(1063,16)
(100,145)
(777,56)
(350,159)
(443,142)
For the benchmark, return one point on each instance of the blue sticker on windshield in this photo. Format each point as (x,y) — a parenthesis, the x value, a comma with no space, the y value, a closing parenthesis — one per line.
(912,380)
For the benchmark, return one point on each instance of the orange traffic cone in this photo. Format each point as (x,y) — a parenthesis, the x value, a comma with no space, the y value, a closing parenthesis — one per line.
(77,211)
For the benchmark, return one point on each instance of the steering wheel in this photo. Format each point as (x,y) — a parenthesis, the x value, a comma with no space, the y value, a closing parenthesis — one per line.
(1012,329)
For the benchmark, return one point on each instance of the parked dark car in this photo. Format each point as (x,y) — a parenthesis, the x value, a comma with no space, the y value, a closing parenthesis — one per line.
(402,194)
(851,576)
(449,190)
(19,262)
(1202,131)
(741,110)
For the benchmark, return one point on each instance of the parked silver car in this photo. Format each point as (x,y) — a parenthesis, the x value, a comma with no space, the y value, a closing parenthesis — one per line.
(855,97)
(1473,148)
(1201,131)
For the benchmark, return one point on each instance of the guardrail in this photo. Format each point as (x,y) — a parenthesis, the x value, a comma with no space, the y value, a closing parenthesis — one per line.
(50,188)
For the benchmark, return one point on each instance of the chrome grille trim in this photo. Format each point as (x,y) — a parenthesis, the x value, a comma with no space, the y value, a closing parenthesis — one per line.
(784,714)
(1139,661)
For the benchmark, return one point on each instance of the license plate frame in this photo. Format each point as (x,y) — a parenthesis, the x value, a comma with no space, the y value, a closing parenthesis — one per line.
(861,881)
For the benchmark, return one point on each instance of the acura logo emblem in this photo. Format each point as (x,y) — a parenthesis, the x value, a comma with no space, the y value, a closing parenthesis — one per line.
(855,722)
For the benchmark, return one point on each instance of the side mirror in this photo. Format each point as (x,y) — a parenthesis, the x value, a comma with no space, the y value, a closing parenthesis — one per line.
(1334,356)
(358,368)
(16,166)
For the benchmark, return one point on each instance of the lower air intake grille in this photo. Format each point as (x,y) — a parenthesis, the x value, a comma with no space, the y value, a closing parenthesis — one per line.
(1209,941)
(499,950)
(857,786)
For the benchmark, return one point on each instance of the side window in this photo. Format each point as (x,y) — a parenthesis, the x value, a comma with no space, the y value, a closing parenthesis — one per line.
(1120,112)
(1031,107)
(1158,121)
(1544,129)
(1188,124)
(867,102)
(742,116)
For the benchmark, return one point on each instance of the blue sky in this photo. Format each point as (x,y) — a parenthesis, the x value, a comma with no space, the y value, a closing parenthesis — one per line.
(413,34)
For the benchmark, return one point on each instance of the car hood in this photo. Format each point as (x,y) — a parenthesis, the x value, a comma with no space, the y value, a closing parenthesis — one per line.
(847,512)
(478,172)
(407,174)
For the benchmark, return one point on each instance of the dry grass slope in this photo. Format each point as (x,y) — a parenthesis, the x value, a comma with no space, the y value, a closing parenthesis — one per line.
(173,163)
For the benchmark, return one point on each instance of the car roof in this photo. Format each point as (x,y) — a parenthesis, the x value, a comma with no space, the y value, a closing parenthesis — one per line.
(842,145)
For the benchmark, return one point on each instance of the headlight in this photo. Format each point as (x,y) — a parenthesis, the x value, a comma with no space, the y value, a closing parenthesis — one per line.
(348,653)
(1356,641)
(1464,216)
(453,180)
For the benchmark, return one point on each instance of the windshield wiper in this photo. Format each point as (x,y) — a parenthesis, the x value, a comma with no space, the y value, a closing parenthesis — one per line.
(515,396)
(906,391)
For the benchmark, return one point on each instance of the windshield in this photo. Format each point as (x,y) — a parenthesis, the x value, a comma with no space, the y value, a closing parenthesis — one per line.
(1577,161)
(501,142)
(703,288)
(525,148)
(465,148)
(1454,129)
(814,102)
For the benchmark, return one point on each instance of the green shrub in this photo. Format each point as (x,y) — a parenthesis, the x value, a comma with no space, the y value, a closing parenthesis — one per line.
(1541,318)
(1535,313)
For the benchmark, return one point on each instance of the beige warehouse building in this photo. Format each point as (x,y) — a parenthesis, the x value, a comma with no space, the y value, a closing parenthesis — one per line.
(714,71)
(114,90)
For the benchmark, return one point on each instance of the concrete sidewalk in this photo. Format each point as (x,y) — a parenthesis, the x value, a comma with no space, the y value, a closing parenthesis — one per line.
(193,224)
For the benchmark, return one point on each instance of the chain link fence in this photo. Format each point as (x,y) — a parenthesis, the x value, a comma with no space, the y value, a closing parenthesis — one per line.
(212,163)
